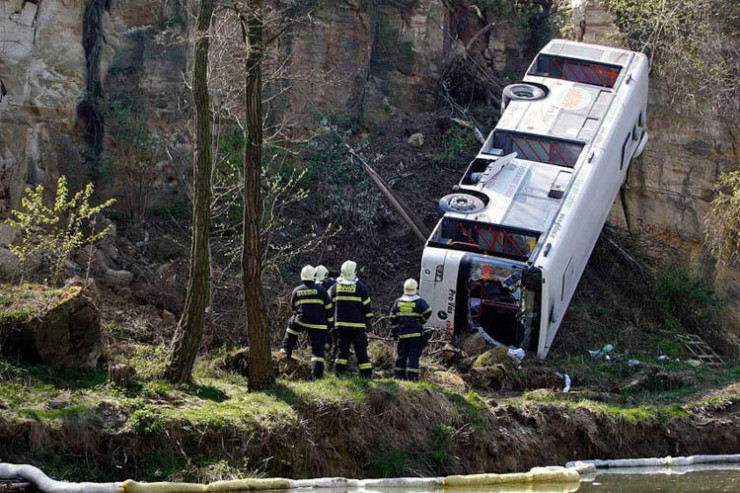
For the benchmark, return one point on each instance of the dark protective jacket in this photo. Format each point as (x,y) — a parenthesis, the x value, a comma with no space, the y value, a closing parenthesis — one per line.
(408,316)
(312,308)
(352,307)
(328,283)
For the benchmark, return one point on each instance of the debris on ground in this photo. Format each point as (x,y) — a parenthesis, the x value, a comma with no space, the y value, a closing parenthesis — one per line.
(448,380)
(416,140)
(603,353)
(518,353)
(380,355)
(121,375)
(566,381)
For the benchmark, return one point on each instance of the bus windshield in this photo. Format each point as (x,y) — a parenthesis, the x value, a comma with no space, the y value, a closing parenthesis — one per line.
(493,239)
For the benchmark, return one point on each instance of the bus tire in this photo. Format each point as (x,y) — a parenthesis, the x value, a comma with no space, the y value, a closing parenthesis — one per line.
(461,203)
(521,92)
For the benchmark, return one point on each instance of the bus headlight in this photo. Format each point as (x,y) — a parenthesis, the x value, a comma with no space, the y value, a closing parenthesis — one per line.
(440,273)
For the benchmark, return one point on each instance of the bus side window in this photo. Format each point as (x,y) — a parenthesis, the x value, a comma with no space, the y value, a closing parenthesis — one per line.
(625,154)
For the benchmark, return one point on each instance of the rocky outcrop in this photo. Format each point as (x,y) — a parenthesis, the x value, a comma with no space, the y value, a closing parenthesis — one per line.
(670,186)
(364,61)
(61,328)
(57,57)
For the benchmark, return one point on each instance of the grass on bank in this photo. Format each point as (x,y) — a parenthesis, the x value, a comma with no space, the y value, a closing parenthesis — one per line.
(218,407)
(220,399)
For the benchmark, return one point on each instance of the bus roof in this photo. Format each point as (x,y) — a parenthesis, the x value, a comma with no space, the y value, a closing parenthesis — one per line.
(548,135)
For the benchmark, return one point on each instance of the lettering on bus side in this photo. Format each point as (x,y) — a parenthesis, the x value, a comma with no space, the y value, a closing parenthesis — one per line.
(450,309)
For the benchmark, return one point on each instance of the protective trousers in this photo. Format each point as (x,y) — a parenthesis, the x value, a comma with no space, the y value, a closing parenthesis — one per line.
(358,339)
(318,338)
(291,338)
(407,361)
(332,348)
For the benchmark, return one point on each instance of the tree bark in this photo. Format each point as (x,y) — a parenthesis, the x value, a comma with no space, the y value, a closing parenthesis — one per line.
(260,356)
(190,328)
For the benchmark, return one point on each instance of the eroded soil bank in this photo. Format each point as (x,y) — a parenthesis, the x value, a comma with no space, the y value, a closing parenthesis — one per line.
(336,427)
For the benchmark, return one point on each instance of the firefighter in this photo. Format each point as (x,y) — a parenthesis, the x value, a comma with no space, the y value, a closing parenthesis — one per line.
(312,312)
(322,278)
(352,313)
(408,316)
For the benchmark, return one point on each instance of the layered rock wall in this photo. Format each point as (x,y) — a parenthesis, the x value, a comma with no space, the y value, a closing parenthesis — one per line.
(670,186)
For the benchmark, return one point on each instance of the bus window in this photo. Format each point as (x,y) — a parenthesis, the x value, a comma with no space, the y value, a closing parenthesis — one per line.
(486,238)
(537,148)
(582,71)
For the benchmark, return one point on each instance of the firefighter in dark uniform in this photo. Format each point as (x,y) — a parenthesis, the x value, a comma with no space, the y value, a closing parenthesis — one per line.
(352,313)
(326,282)
(408,316)
(312,312)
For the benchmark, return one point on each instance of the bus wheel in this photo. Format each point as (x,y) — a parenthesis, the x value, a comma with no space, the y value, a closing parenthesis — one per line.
(521,92)
(462,203)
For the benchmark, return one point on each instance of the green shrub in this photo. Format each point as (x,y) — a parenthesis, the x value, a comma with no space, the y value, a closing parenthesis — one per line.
(147,420)
(723,220)
(441,438)
(56,231)
(685,299)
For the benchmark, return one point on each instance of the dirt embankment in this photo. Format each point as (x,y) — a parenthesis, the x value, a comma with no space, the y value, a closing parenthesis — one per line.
(383,429)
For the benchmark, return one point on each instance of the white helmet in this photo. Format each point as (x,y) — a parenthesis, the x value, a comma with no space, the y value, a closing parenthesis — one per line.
(349,269)
(410,286)
(308,273)
(321,273)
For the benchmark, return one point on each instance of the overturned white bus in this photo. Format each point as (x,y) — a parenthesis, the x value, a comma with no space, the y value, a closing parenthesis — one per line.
(507,255)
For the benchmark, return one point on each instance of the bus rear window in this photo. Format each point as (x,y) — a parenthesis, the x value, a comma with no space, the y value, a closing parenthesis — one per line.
(493,239)
(583,71)
(535,148)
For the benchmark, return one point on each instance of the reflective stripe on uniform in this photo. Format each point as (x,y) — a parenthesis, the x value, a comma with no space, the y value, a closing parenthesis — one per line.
(329,306)
(412,370)
(291,331)
(365,366)
(316,358)
(402,314)
(408,336)
(428,310)
(331,319)
(350,324)
(310,326)
(309,300)
(401,368)
(340,361)
(366,302)
(369,315)
(346,298)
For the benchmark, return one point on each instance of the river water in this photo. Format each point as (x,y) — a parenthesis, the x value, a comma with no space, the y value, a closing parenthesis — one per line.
(716,480)
(719,479)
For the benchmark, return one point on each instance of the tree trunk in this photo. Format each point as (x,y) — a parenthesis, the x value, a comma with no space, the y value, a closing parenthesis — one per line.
(260,356)
(190,328)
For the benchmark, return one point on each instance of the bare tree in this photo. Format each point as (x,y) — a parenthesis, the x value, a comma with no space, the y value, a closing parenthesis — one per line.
(190,328)
(260,357)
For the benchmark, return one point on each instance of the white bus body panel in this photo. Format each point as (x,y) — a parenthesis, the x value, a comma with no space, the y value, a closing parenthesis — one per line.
(441,295)
(589,200)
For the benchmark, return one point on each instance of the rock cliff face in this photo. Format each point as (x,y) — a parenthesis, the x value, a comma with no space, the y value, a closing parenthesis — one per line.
(55,60)
(669,188)
(95,91)
(368,60)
